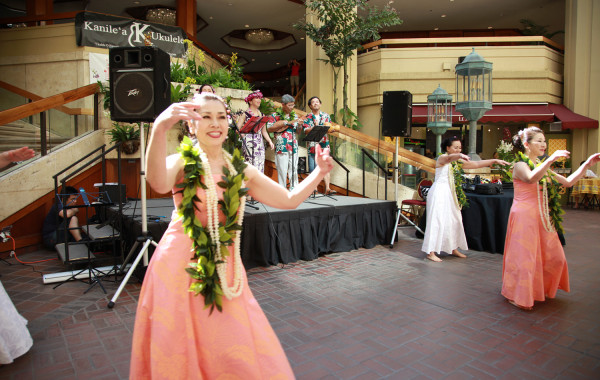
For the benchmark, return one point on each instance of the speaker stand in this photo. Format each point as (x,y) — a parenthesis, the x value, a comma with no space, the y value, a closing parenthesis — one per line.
(399,209)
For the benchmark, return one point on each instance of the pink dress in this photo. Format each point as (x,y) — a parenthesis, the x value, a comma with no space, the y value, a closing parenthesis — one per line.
(176,338)
(534,265)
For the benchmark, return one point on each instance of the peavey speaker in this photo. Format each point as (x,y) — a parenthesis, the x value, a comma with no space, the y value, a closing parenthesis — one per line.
(140,83)
(396,113)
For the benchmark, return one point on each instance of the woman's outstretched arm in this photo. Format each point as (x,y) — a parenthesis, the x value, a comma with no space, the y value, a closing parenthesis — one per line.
(269,192)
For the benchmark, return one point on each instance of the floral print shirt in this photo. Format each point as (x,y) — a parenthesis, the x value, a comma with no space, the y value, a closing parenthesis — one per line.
(285,141)
(310,122)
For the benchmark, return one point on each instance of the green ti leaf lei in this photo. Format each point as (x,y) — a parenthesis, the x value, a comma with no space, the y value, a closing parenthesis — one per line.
(554,208)
(203,270)
(282,116)
(457,173)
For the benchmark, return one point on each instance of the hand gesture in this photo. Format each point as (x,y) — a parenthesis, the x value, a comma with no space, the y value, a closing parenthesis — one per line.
(593,159)
(21,154)
(175,113)
(323,159)
(464,157)
(271,146)
(500,162)
(558,154)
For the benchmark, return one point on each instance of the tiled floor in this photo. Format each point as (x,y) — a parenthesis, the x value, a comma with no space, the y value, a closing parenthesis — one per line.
(379,313)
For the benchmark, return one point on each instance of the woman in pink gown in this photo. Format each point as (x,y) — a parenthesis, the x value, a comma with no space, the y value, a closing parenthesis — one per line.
(534,265)
(175,335)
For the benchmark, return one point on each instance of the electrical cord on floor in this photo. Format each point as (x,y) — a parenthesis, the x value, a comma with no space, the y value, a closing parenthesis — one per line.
(14,253)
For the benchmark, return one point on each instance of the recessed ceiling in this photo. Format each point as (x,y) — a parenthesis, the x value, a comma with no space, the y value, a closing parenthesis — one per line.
(242,39)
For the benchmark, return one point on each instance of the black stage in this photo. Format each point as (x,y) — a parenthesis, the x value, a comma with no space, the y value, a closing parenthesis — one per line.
(272,236)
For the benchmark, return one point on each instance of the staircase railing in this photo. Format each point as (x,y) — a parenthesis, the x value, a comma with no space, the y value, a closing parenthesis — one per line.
(39,106)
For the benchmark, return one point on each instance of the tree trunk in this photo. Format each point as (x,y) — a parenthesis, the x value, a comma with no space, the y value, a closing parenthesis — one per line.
(345,94)
(336,74)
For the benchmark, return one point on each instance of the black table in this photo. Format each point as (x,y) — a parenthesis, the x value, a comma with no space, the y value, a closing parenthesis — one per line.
(485,220)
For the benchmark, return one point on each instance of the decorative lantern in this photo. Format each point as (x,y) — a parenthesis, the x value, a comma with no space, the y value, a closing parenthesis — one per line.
(439,114)
(473,93)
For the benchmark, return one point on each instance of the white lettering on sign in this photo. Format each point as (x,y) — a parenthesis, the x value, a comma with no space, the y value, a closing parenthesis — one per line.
(138,32)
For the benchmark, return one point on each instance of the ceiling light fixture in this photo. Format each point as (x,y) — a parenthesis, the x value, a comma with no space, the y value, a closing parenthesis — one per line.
(161,15)
(224,57)
(259,36)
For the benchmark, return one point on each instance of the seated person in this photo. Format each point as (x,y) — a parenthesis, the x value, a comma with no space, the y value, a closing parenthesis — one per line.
(53,231)
(588,173)
(576,198)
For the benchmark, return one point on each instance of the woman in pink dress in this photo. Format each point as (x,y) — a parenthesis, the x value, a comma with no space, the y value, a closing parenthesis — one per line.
(196,317)
(534,265)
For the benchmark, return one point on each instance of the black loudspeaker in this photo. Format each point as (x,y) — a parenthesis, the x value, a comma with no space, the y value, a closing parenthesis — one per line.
(396,113)
(140,83)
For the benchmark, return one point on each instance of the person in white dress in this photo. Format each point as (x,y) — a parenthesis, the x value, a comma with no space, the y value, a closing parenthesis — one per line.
(15,339)
(444,230)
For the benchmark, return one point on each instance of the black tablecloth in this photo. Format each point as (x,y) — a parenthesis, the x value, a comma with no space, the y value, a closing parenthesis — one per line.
(485,220)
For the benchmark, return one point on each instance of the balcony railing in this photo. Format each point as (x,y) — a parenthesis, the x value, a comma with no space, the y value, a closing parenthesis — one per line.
(461,41)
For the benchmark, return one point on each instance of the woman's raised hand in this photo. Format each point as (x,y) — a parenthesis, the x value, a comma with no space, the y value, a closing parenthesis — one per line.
(464,157)
(558,154)
(175,113)
(593,159)
(500,162)
(323,159)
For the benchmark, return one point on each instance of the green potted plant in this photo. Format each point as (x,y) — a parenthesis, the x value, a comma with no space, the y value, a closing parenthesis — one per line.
(128,135)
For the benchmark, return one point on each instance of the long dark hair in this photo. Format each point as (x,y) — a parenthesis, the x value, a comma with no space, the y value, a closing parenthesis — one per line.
(525,135)
(447,143)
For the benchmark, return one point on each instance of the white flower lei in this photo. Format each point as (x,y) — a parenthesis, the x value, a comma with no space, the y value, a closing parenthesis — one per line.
(212,201)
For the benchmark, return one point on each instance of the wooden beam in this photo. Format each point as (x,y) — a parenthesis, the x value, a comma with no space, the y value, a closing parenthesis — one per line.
(32,96)
(186,16)
(42,105)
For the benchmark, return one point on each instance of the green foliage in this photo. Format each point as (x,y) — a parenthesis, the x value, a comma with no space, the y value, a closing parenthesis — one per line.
(351,119)
(124,132)
(267,107)
(530,28)
(194,73)
(106,92)
(180,93)
(505,153)
(340,30)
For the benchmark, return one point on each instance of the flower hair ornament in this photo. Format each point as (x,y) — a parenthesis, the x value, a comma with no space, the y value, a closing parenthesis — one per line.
(252,95)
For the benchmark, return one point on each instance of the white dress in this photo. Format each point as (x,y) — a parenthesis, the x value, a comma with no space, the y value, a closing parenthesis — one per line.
(444,230)
(15,339)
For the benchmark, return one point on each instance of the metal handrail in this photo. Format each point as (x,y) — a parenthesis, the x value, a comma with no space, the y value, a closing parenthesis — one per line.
(384,170)
(347,174)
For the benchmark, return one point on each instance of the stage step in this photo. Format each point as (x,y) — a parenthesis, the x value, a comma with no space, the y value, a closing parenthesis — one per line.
(100,231)
(77,252)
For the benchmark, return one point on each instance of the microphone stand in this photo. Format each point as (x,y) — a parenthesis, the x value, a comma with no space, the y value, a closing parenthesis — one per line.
(294,172)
